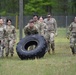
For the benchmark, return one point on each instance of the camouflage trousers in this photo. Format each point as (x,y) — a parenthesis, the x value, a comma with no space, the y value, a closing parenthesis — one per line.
(31,47)
(72,39)
(49,36)
(1,48)
(9,47)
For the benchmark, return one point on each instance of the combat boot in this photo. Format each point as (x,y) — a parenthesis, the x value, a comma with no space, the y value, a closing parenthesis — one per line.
(6,55)
(53,48)
(73,51)
(11,55)
(49,51)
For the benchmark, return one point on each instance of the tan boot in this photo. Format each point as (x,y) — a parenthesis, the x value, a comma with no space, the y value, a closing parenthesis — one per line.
(49,51)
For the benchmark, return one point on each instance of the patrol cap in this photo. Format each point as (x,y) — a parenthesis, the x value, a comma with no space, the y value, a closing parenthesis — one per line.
(31,21)
(48,15)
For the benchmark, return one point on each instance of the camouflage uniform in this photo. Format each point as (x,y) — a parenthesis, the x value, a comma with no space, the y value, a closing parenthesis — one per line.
(10,38)
(50,33)
(30,31)
(2,32)
(42,27)
(72,29)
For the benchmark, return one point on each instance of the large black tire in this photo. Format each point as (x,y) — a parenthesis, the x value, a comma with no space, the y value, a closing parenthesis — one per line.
(37,52)
(74,50)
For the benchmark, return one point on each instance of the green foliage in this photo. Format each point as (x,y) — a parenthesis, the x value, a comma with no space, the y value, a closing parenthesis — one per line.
(9,6)
(38,6)
(3,13)
(34,6)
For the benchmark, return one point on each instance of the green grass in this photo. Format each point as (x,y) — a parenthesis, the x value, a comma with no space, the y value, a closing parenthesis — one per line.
(61,63)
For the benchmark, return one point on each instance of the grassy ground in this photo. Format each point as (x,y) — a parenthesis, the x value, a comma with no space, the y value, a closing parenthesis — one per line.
(61,63)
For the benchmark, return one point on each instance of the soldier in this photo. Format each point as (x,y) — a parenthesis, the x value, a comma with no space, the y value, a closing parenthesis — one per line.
(51,32)
(2,35)
(72,33)
(37,23)
(42,26)
(35,19)
(10,38)
(30,29)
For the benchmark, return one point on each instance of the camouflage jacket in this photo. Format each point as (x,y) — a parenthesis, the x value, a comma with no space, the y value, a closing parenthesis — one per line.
(37,24)
(42,28)
(29,31)
(2,32)
(72,27)
(51,24)
(10,32)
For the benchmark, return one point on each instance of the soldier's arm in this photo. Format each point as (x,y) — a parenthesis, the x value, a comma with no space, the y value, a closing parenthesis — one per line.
(14,33)
(26,30)
(70,27)
(44,29)
(4,33)
(69,31)
(36,31)
(55,25)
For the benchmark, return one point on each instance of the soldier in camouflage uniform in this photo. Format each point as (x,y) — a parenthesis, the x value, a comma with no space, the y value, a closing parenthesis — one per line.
(42,26)
(51,32)
(30,29)
(2,35)
(72,32)
(35,19)
(37,23)
(10,38)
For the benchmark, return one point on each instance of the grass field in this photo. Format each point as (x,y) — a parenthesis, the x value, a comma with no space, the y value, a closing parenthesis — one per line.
(61,63)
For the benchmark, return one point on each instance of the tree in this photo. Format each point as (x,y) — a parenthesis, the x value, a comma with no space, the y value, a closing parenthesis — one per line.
(39,6)
(8,7)
(73,6)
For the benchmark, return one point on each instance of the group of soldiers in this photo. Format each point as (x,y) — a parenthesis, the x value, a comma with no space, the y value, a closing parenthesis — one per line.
(7,38)
(46,27)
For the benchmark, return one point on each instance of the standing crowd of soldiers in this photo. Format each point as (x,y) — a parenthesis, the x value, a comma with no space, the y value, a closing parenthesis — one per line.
(46,27)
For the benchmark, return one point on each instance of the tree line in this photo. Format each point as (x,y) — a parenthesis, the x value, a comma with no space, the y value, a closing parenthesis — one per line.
(41,7)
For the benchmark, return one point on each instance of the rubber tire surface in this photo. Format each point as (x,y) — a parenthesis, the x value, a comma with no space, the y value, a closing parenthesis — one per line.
(74,50)
(36,40)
